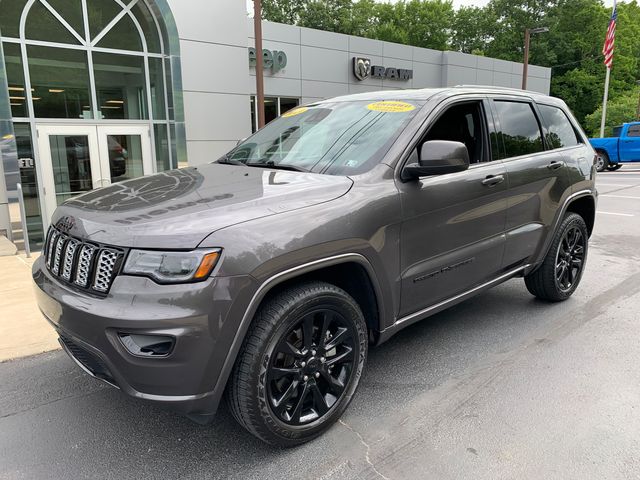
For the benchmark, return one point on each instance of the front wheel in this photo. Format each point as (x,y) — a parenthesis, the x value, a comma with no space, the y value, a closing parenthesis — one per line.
(300,364)
(560,273)
(602,161)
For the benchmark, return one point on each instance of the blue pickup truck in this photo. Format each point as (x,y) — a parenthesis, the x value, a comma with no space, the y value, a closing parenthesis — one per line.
(623,147)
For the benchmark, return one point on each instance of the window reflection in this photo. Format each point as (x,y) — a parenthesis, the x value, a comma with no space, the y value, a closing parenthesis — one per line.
(60,82)
(120,86)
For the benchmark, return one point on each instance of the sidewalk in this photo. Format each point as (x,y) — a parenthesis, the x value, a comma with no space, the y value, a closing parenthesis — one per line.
(23,330)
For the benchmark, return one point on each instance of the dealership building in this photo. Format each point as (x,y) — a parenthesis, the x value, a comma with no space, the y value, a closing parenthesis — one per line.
(99,91)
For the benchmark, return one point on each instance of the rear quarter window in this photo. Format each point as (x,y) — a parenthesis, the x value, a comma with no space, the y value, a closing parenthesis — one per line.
(560,133)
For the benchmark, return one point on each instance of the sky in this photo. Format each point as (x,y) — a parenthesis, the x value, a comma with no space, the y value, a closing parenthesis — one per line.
(456,3)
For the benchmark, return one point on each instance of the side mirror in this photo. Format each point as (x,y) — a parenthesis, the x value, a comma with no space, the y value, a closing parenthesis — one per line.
(436,158)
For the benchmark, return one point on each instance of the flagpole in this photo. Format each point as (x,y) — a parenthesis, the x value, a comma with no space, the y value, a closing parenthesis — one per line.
(604,102)
(607,50)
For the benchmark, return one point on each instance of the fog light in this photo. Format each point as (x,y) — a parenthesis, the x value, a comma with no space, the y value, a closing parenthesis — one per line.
(147,345)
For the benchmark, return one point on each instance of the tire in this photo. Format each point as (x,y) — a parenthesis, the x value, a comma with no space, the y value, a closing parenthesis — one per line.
(278,351)
(602,161)
(613,167)
(551,281)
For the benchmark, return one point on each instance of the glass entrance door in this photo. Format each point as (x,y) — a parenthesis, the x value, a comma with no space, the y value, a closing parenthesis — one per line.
(76,159)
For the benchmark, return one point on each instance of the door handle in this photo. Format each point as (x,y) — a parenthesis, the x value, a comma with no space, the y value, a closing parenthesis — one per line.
(555,165)
(492,180)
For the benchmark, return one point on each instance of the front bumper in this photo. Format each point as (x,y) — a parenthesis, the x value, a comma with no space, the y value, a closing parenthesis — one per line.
(202,318)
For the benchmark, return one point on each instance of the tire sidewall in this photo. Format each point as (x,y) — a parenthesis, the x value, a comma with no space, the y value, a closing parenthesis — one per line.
(571,221)
(602,161)
(293,435)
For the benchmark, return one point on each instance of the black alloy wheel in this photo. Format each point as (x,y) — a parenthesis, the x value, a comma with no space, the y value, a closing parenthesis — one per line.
(559,274)
(300,363)
(570,259)
(311,366)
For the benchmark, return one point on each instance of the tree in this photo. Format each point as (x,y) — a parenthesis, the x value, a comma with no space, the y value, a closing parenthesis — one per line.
(620,109)
(282,11)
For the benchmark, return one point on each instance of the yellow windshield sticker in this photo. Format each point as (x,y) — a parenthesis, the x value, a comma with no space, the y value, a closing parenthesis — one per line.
(295,111)
(390,106)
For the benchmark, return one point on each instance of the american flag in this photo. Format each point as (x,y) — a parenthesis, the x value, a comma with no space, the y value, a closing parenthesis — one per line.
(609,42)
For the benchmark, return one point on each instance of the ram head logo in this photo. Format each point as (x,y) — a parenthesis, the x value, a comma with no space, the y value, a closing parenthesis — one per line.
(361,67)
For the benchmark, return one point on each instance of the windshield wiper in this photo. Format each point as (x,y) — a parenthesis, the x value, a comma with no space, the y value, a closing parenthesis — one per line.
(279,166)
(226,160)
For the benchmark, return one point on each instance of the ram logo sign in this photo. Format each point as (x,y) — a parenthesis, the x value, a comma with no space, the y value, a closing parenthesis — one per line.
(362,69)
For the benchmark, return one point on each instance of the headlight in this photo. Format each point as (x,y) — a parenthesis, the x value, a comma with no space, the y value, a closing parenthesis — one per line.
(172,267)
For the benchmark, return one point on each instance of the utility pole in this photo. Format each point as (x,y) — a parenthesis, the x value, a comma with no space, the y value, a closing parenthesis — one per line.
(638,109)
(525,62)
(257,26)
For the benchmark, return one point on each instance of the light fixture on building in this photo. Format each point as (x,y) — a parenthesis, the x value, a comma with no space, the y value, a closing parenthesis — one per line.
(115,101)
(35,98)
(111,107)
(56,90)
(16,104)
(16,89)
(16,98)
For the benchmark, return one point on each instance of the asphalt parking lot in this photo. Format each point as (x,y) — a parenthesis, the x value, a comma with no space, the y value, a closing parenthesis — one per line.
(502,386)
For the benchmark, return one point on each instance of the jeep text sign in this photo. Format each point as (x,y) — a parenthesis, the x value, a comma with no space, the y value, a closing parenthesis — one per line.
(362,69)
(275,60)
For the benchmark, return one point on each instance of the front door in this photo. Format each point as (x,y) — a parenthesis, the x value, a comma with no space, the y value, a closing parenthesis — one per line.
(76,159)
(452,235)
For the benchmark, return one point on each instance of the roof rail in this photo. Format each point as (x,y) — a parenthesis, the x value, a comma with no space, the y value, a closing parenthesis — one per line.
(494,87)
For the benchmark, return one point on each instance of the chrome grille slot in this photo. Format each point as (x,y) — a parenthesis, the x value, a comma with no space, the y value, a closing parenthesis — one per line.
(104,270)
(85,265)
(53,235)
(57,255)
(69,254)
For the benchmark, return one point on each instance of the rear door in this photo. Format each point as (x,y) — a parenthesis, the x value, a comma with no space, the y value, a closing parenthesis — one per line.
(629,144)
(452,236)
(538,179)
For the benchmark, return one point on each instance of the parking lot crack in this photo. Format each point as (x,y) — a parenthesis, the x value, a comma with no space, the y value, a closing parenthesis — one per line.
(367,449)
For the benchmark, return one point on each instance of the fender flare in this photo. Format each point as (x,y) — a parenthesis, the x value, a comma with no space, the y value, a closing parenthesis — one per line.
(266,287)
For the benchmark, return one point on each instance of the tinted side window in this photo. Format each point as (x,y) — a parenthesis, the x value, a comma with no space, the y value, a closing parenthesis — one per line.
(519,127)
(634,131)
(560,133)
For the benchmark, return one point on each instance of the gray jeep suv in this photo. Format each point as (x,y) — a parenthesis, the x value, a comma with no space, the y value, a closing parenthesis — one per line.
(266,275)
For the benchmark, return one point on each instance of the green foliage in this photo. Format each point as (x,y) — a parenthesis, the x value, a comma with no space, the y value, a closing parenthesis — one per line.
(620,109)
(572,47)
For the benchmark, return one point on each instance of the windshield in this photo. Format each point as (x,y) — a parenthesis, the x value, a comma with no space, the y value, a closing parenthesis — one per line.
(339,138)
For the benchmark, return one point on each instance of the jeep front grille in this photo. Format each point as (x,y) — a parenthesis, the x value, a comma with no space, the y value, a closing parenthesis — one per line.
(86,265)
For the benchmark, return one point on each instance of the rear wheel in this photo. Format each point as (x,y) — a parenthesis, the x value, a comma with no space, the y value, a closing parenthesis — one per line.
(560,273)
(300,365)
(602,161)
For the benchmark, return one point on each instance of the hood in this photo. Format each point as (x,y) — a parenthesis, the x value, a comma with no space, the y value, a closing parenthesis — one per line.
(179,208)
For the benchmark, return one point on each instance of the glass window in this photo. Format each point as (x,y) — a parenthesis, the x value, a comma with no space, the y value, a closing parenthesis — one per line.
(519,128)
(60,82)
(125,157)
(15,79)
(120,86)
(71,11)
(162,147)
(634,131)
(253,114)
(42,25)
(560,133)
(148,25)
(287,104)
(29,181)
(270,109)
(338,138)
(156,79)
(122,36)
(100,13)
(10,17)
